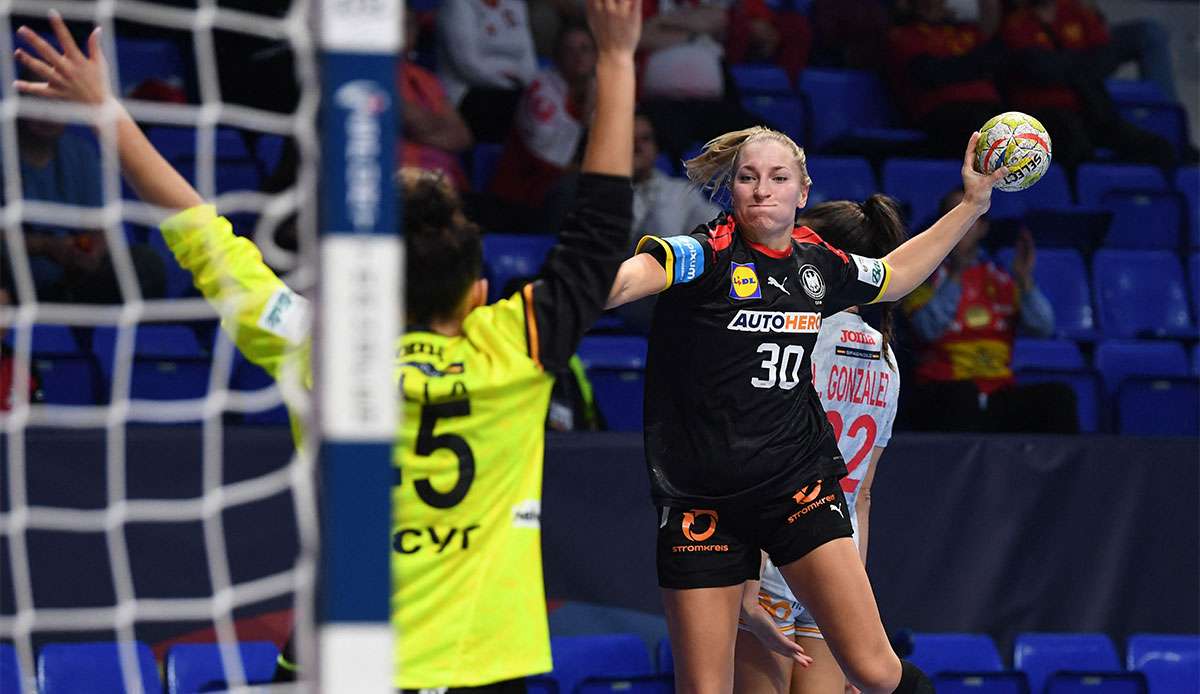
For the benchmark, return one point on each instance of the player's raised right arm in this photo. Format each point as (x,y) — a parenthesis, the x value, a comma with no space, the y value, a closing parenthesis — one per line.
(70,75)
(578,275)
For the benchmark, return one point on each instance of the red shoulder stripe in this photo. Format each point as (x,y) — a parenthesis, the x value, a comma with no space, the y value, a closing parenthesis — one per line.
(806,235)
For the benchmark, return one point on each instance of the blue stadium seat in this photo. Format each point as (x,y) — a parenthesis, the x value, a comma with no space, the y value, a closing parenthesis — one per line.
(169,362)
(760,78)
(181,143)
(922,183)
(648,684)
(1171,662)
(1063,278)
(840,178)
(1141,293)
(235,166)
(179,281)
(851,102)
(1187,182)
(1039,353)
(268,150)
(165,340)
(784,113)
(1085,384)
(10,669)
(1053,191)
(484,158)
(616,367)
(609,655)
(1194,281)
(1092,181)
(1136,91)
(1144,219)
(46,339)
(981,683)
(1096,683)
(507,256)
(142,59)
(68,379)
(935,653)
(197,667)
(69,668)
(1039,655)
(1196,360)
(1117,360)
(541,684)
(664,658)
(664,163)
(1167,120)
(1159,406)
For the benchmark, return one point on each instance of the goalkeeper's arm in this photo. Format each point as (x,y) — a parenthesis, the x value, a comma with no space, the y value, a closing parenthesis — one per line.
(266,319)
(70,75)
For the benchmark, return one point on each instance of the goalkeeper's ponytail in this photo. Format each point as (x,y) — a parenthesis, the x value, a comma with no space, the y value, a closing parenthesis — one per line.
(443,250)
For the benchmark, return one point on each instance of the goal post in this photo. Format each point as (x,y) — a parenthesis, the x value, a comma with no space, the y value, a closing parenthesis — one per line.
(358,316)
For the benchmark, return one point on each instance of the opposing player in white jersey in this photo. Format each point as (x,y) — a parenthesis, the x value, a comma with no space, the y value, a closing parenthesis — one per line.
(856,377)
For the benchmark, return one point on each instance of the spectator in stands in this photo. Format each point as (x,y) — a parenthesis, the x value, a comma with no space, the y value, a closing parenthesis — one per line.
(942,71)
(847,33)
(965,319)
(485,59)
(756,35)
(72,264)
(547,19)
(549,125)
(434,132)
(1060,54)
(1144,41)
(663,206)
(682,82)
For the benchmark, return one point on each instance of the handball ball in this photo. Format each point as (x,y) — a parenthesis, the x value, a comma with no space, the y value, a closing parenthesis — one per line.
(1015,140)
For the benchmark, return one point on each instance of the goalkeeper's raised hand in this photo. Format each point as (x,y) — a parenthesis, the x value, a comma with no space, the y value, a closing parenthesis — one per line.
(70,75)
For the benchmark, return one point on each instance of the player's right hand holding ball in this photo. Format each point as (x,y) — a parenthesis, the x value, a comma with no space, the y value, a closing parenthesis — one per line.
(977,187)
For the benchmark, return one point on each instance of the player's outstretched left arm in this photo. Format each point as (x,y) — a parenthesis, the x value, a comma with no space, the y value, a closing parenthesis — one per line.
(72,75)
(913,262)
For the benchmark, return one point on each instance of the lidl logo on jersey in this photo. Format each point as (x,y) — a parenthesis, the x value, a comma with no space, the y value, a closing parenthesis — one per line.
(775,322)
(743,281)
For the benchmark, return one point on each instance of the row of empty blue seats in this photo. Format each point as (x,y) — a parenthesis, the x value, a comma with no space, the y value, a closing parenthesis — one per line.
(1129,386)
(69,668)
(1042,662)
(169,362)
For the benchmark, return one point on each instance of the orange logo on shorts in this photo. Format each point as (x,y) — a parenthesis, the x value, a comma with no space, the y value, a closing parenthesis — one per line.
(808,494)
(689,517)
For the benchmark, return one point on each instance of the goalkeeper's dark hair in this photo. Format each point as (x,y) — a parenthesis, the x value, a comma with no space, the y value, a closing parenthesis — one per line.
(871,229)
(443,250)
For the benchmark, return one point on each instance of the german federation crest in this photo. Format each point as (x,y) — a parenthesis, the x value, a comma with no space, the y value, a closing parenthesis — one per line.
(813,283)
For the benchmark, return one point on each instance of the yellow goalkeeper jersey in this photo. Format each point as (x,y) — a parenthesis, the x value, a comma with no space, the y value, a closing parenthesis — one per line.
(468,602)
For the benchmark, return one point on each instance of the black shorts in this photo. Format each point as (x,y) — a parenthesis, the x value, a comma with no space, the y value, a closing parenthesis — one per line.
(719,545)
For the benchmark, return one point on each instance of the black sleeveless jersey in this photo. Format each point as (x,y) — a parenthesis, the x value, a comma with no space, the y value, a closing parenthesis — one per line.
(730,407)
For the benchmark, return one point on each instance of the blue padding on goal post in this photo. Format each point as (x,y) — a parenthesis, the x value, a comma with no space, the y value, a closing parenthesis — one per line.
(358,204)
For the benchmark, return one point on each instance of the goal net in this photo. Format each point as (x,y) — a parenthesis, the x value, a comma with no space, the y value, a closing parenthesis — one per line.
(163,519)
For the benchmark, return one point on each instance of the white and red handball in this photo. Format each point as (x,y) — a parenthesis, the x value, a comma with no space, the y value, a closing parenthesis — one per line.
(1018,141)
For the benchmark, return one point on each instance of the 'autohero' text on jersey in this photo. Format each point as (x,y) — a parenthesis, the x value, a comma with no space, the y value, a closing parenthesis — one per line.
(775,321)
